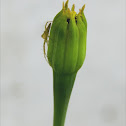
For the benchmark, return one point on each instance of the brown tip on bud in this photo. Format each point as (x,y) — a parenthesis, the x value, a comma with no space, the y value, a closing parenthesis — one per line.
(66,4)
(63,5)
(83,8)
(73,7)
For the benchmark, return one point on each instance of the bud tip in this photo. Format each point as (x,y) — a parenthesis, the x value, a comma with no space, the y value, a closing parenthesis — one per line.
(66,4)
(73,7)
(63,5)
(83,8)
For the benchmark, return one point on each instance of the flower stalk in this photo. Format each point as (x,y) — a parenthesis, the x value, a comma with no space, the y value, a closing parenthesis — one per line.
(62,88)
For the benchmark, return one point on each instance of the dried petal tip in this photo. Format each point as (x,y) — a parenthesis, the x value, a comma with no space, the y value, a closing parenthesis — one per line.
(66,4)
(73,7)
(82,9)
(63,5)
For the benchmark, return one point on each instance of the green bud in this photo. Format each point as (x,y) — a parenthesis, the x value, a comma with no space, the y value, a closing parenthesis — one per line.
(67,41)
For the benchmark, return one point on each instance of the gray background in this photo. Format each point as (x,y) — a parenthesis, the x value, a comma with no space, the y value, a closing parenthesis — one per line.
(98,97)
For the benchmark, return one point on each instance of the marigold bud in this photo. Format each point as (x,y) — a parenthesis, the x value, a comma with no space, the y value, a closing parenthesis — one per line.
(67,41)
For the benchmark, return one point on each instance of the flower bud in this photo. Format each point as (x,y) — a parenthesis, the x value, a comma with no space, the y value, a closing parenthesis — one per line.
(67,40)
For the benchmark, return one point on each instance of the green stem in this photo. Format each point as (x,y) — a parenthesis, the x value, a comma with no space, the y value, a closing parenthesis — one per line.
(62,88)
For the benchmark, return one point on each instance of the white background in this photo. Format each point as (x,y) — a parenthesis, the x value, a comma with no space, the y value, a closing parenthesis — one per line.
(98,97)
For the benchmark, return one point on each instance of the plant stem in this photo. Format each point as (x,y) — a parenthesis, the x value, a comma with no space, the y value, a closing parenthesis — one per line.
(62,88)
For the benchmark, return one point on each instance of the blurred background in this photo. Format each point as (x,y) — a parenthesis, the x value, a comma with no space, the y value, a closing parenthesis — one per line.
(99,93)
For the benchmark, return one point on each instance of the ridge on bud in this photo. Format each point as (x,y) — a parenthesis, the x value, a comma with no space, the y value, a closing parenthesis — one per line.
(67,41)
